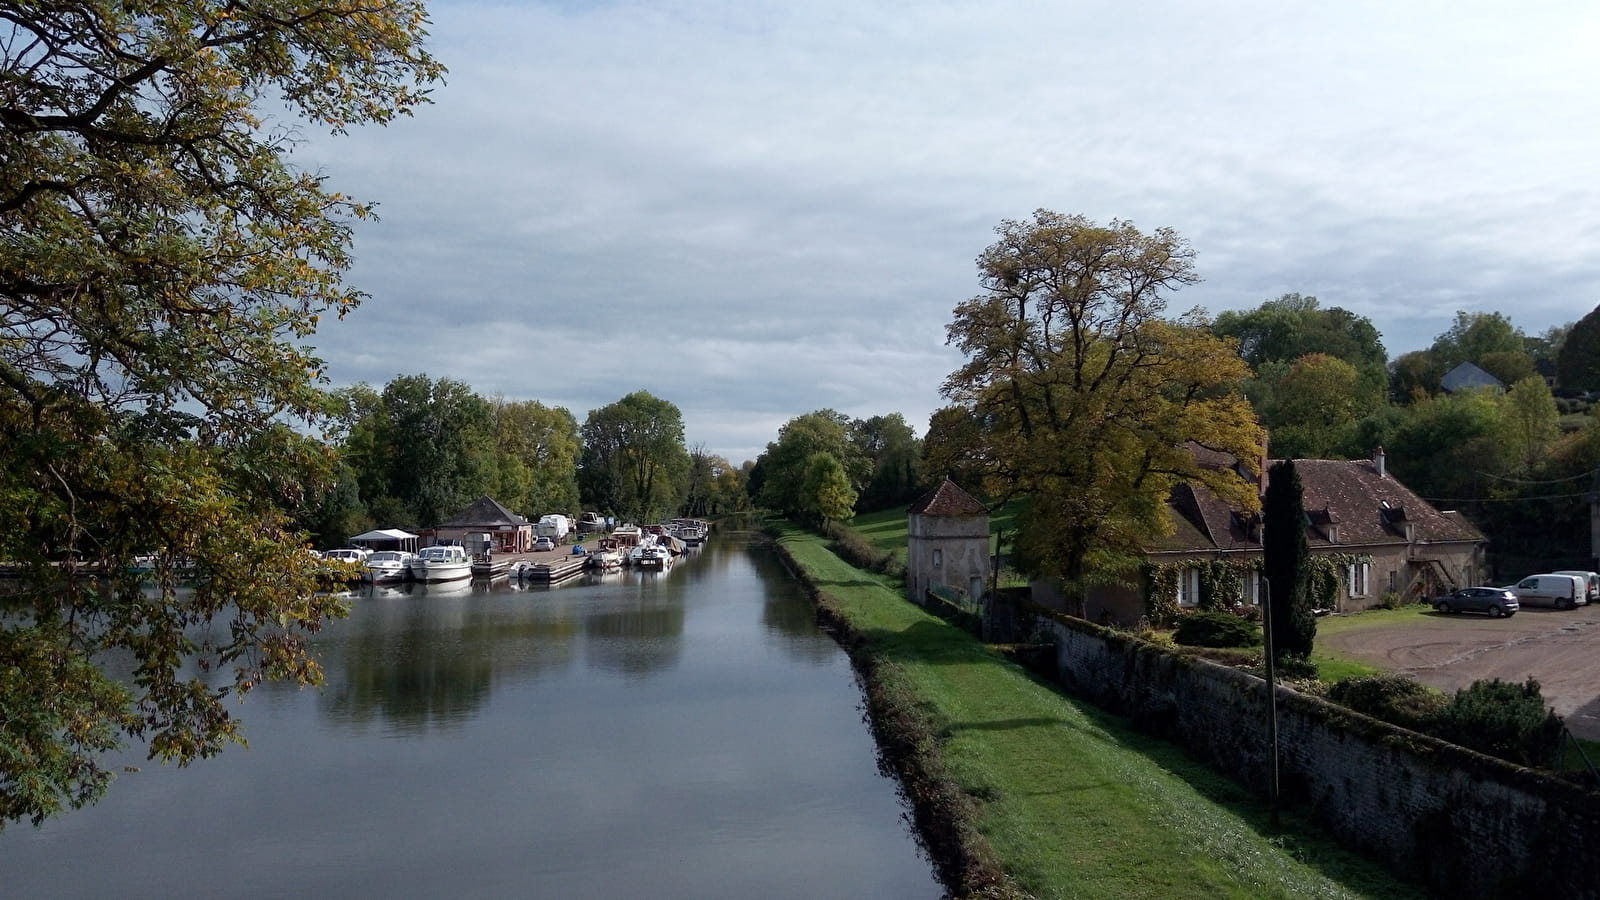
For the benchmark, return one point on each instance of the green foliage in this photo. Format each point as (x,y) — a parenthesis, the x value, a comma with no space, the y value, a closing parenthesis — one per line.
(1281,333)
(1499,718)
(896,457)
(1209,628)
(1086,395)
(787,482)
(1578,365)
(634,462)
(1474,336)
(536,449)
(715,487)
(827,493)
(1286,559)
(855,549)
(161,268)
(1393,698)
(1504,719)
(1314,407)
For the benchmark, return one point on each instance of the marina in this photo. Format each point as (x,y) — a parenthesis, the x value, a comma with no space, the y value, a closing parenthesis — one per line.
(626,735)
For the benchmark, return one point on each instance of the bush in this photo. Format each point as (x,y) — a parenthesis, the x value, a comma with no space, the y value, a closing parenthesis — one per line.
(856,550)
(1503,719)
(1393,698)
(1216,629)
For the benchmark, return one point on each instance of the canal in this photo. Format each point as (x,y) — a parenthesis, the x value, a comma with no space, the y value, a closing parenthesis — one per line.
(688,734)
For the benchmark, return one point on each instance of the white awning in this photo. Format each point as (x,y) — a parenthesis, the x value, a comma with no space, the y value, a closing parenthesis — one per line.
(385,534)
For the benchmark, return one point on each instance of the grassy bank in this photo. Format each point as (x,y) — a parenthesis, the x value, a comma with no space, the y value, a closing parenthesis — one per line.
(1067,800)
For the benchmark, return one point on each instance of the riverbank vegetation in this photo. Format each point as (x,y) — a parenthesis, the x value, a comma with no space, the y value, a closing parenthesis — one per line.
(1069,801)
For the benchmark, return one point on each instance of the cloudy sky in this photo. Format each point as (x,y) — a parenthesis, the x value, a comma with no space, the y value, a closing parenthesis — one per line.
(758,209)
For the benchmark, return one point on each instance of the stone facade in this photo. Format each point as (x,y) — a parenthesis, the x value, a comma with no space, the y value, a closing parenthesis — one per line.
(947,543)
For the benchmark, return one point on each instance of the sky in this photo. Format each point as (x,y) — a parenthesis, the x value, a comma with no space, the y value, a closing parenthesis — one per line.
(756,209)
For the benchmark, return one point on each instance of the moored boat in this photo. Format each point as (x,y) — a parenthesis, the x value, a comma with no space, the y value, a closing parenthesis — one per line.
(445,562)
(387,566)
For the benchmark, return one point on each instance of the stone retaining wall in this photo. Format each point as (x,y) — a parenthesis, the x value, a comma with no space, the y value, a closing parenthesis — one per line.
(1462,823)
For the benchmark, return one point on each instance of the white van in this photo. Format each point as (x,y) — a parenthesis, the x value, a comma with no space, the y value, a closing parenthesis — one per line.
(1560,591)
(1593,578)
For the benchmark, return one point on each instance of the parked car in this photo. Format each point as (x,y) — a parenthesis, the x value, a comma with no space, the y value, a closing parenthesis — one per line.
(544,543)
(1495,601)
(1559,591)
(1592,578)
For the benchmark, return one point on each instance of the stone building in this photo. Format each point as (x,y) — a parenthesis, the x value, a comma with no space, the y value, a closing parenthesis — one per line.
(1386,540)
(947,543)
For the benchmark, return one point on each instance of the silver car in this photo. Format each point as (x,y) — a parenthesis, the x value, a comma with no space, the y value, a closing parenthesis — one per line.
(1495,601)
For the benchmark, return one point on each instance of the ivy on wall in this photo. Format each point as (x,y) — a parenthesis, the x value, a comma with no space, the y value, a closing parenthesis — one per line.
(1220,580)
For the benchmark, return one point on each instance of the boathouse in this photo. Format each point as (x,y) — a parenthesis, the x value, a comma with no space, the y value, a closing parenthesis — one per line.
(508,532)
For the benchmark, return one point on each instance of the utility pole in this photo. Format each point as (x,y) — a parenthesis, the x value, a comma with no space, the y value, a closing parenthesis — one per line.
(1272,691)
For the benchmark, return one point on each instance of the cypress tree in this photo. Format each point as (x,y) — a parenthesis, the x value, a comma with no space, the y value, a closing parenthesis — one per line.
(1284,553)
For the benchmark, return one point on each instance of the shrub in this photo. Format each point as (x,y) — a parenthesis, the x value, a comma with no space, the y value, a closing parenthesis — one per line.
(1216,629)
(1393,698)
(1504,719)
(856,550)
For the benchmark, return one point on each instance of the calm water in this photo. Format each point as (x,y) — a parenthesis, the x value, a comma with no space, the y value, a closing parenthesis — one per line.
(682,735)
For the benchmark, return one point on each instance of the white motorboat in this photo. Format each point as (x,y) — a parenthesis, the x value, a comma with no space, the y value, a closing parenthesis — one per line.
(388,565)
(446,562)
(651,556)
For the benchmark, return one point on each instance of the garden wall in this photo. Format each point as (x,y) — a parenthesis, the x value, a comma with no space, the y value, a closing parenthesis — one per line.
(1464,824)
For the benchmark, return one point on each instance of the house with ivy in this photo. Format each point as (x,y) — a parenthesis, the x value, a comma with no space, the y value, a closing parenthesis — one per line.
(1371,540)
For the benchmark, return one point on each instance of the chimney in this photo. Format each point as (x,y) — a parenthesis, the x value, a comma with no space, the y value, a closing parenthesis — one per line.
(1378,461)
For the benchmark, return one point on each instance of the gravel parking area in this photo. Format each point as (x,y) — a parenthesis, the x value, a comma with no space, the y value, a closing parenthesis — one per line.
(1560,648)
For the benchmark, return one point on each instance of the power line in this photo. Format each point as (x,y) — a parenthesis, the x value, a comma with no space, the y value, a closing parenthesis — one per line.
(1437,500)
(1534,481)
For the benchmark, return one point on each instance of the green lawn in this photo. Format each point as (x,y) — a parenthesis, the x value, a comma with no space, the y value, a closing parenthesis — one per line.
(886,528)
(1074,802)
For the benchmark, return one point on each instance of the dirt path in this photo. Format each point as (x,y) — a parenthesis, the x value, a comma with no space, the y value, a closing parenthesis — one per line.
(1561,649)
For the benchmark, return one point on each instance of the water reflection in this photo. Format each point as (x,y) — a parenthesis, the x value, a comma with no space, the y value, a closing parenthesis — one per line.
(425,658)
(624,737)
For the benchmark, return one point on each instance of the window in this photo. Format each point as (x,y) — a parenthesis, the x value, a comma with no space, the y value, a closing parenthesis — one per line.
(1360,574)
(1250,588)
(938,558)
(1189,587)
(1394,581)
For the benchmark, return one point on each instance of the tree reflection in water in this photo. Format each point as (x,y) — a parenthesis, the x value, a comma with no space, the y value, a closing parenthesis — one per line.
(426,658)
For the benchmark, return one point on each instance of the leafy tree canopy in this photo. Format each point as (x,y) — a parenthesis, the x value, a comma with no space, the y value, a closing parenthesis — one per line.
(1294,325)
(1474,336)
(1578,366)
(634,461)
(160,263)
(1089,397)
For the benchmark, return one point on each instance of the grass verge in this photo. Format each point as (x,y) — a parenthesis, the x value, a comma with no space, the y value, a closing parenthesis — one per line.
(1029,793)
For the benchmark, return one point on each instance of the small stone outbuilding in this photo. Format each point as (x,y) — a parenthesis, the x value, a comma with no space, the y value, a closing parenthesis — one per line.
(947,543)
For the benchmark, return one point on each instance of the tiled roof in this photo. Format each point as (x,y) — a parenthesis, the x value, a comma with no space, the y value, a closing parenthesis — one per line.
(948,500)
(485,511)
(1348,497)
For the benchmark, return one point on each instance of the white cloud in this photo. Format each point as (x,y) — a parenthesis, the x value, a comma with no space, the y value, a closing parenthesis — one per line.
(760,209)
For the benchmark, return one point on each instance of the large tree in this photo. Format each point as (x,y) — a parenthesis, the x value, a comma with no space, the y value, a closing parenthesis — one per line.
(1090,397)
(538,449)
(160,263)
(1294,325)
(634,462)
(1474,335)
(785,485)
(895,454)
(1578,365)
